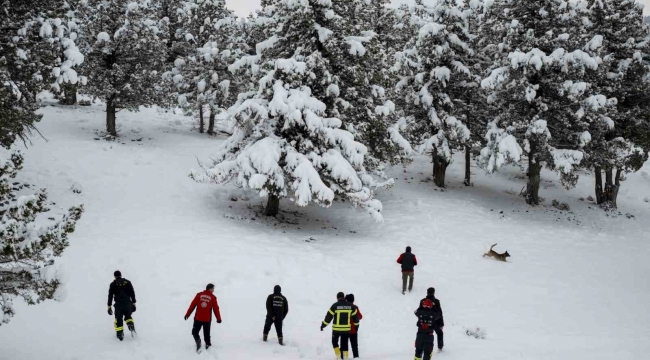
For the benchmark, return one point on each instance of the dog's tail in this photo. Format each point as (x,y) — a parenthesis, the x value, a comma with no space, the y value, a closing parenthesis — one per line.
(491,247)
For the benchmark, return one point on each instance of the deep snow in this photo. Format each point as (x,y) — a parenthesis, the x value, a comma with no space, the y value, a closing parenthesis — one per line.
(575,288)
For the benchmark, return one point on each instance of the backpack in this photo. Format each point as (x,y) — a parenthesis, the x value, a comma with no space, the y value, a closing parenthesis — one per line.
(427,316)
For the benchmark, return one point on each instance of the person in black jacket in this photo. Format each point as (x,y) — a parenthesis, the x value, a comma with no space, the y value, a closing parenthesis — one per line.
(122,291)
(277,308)
(439,324)
(408,262)
(427,316)
(354,331)
(345,316)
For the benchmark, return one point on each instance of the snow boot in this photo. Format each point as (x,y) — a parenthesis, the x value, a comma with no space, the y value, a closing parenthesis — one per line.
(265,338)
(120,335)
(345,355)
(337,354)
(198,347)
(281,341)
(207,346)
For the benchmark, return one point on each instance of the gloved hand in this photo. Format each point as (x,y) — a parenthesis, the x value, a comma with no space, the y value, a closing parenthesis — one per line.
(133,307)
(187,317)
(110,310)
(322,326)
(218,321)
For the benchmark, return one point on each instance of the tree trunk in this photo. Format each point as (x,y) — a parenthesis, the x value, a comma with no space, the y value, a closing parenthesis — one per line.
(70,94)
(599,185)
(534,179)
(211,122)
(201,122)
(272,206)
(111,128)
(439,170)
(468,166)
(616,187)
(609,182)
(612,185)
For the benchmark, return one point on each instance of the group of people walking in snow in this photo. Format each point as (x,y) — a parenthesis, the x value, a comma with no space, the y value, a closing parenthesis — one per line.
(344,315)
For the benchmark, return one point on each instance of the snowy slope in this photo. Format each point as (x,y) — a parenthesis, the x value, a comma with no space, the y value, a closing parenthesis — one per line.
(575,287)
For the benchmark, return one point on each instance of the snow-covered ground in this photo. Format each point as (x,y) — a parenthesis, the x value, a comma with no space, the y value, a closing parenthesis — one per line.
(575,287)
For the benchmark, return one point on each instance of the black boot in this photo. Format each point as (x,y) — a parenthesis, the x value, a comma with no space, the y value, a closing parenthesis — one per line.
(207,346)
(198,346)
(265,337)
(281,341)
(120,335)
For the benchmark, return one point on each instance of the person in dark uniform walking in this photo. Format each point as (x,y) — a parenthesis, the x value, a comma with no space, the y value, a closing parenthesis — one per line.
(354,331)
(277,308)
(408,262)
(345,317)
(121,290)
(427,316)
(439,324)
(205,304)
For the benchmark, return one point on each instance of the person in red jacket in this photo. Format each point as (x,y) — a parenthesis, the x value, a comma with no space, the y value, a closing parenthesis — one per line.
(408,262)
(205,304)
(354,331)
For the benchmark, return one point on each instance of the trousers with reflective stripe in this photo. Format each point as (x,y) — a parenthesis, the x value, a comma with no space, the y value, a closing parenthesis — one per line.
(122,314)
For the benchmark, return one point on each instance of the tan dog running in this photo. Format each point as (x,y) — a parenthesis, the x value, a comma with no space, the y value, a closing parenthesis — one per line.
(496,255)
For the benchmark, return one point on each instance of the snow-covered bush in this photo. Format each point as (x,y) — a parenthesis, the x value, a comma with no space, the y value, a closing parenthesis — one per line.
(27,250)
(476,333)
(560,205)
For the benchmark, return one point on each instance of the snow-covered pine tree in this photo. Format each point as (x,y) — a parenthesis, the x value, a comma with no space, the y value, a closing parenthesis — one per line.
(32,42)
(206,43)
(540,87)
(67,85)
(471,101)
(432,73)
(125,42)
(620,144)
(365,81)
(286,143)
(27,251)
(36,50)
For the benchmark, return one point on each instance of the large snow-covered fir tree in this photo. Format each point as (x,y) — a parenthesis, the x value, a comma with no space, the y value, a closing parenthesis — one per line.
(540,85)
(125,46)
(621,144)
(433,75)
(37,51)
(287,143)
(207,40)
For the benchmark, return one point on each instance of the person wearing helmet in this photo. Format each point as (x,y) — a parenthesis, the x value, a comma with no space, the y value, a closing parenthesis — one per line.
(439,324)
(427,316)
